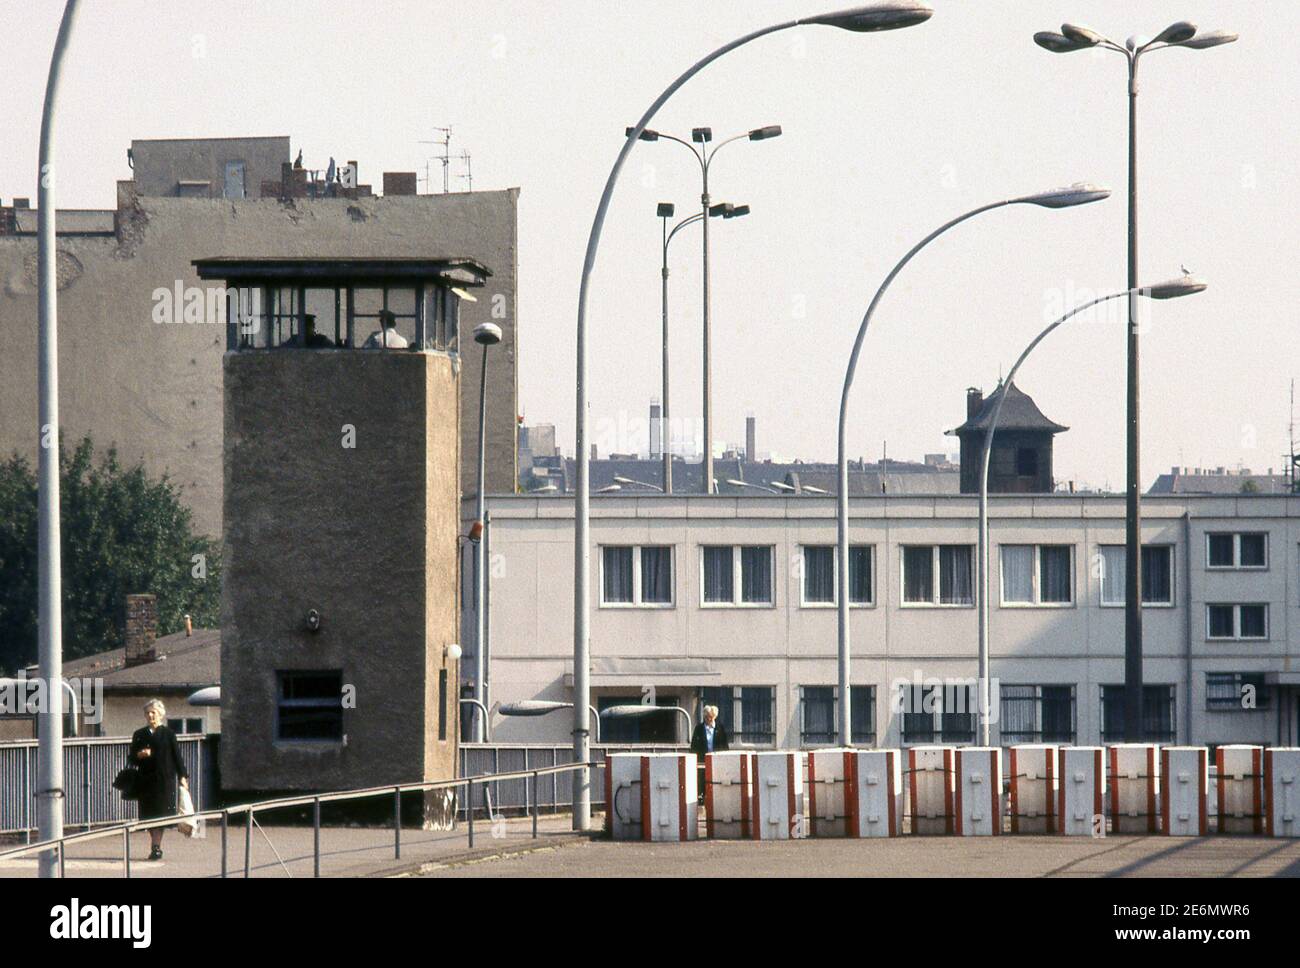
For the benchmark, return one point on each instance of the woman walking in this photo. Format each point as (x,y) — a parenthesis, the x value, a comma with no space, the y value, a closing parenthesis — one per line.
(155,751)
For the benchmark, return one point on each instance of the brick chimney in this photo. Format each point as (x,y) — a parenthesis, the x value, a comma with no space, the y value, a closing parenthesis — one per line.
(141,628)
(974,400)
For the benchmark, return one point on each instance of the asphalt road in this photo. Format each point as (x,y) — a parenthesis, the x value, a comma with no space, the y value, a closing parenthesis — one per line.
(1007,856)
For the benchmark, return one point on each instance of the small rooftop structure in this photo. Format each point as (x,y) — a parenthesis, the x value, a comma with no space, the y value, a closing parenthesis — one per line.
(1020,461)
(343,302)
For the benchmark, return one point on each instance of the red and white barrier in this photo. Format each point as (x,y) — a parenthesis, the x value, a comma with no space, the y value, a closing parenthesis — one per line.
(728,795)
(1034,773)
(978,811)
(1134,788)
(1240,789)
(651,796)
(1081,804)
(875,805)
(1282,787)
(830,781)
(778,797)
(1186,773)
(931,788)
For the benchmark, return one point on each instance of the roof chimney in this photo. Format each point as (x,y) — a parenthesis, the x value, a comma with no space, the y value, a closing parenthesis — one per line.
(751,438)
(141,629)
(974,400)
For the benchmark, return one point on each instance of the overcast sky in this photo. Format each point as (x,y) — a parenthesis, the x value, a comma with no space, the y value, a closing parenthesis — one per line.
(886,137)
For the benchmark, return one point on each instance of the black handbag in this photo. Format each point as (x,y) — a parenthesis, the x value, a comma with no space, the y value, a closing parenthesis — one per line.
(128,783)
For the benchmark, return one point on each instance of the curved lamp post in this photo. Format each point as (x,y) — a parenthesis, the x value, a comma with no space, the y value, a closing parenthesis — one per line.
(540,707)
(49,793)
(486,335)
(1185,286)
(1072,38)
(1080,194)
(888,15)
(703,137)
(666,211)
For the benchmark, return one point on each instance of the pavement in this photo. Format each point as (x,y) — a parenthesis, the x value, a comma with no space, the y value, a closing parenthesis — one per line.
(507,849)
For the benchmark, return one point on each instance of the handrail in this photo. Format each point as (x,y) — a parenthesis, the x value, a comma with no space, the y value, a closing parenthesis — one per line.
(132,826)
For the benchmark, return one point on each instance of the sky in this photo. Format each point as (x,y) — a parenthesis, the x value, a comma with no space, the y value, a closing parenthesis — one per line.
(886,137)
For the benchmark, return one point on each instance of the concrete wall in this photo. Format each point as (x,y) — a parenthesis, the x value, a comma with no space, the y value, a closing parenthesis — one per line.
(366,535)
(789,644)
(154,389)
(161,164)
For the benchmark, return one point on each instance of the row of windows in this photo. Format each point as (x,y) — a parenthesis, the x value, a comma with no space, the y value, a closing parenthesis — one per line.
(932,575)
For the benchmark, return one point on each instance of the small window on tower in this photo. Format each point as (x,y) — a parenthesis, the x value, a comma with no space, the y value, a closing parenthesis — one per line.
(1026,462)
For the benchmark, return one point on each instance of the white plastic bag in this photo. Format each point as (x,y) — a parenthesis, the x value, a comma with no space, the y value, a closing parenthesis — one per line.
(192,827)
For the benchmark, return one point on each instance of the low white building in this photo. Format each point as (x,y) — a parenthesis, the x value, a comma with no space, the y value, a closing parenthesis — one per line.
(730,600)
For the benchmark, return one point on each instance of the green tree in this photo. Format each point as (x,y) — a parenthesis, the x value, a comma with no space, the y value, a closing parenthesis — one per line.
(122,532)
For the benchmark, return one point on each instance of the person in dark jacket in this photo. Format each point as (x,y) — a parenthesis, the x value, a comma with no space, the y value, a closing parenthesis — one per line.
(710,736)
(155,751)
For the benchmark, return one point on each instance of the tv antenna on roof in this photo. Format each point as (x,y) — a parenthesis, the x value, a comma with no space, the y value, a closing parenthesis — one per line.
(446,158)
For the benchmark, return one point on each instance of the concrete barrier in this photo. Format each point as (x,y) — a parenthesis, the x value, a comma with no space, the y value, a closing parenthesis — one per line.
(1240,789)
(651,796)
(1282,787)
(1081,807)
(930,787)
(876,799)
(778,796)
(728,794)
(1134,788)
(1186,773)
(978,810)
(1034,774)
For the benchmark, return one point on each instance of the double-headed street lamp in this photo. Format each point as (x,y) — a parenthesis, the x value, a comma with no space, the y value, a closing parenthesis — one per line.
(666,211)
(703,137)
(1070,39)
(1185,286)
(1080,194)
(888,15)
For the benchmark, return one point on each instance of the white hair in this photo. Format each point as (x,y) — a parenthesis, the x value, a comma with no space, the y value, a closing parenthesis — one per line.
(711,712)
(158,705)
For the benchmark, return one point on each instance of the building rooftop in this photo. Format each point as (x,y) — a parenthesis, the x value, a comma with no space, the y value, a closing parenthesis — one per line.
(1018,413)
(181,663)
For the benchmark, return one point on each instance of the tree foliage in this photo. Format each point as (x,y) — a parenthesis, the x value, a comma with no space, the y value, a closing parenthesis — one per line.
(123,532)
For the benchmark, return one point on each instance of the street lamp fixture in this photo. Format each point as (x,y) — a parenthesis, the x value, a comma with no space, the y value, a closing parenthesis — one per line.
(540,707)
(632,711)
(1185,285)
(485,335)
(749,484)
(630,482)
(878,16)
(763,134)
(1182,33)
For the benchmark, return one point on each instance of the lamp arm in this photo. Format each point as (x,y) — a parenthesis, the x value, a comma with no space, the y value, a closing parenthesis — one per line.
(699,155)
(708,159)
(697,217)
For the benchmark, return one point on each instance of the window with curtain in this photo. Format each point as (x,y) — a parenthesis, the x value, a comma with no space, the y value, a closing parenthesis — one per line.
(616,581)
(818,574)
(1157,574)
(1018,573)
(918,574)
(960,710)
(818,714)
(719,575)
(656,576)
(1055,577)
(863,700)
(860,579)
(918,705)
(756,715)
(1228,690)
(1157,712)
(1037,714)
(955,575)
(756,575)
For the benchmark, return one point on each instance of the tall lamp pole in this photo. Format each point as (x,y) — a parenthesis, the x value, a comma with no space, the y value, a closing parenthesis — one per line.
(666,211)
(485,334)
(888,15)
(703,137)
(1185,286)
(1071,38)
(1058,198)
(49,811)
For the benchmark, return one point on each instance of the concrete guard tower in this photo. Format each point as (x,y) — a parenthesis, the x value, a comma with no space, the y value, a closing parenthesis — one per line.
(341,518)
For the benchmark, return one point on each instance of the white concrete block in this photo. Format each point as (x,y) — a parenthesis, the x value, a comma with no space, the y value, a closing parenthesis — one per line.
(728,794)
(651,796)
(1034,774)
(778,804)
(1081,803)
(1282,789)
(931,787)
(623,796)
(1134,788)
(1240,789)
(1186,774)
(876,797)
(978,810)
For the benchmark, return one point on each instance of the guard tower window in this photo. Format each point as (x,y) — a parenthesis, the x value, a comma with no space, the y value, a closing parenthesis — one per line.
(1026,462)
(310,706)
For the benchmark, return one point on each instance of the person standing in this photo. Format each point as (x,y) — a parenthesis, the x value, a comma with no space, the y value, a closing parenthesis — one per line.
(710,736)
(155,751)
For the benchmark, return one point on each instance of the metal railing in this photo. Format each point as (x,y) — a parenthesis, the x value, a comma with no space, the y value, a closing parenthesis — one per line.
(89,766)
(250,810)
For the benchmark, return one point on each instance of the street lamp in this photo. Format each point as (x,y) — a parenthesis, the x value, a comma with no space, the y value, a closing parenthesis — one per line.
(540,707)
(1073,195)
(632,711)
(1072,38)
(749,484)
(1185,286)
(704,156)
(49,625)
(665,211)
(485,334)
(886,15)
(630,482)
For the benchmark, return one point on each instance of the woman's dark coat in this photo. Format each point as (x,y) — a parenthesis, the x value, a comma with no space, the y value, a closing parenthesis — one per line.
(158,771)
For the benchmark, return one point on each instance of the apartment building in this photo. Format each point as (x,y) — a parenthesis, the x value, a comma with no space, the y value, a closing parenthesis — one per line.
(731,600)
